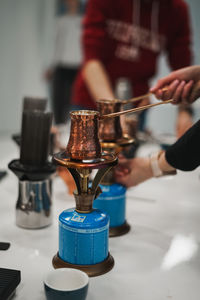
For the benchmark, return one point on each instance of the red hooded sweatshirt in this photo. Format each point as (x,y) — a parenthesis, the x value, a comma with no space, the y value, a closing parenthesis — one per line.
(127,36)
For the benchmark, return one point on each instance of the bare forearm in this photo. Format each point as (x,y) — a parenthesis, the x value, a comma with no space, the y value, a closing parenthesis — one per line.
(140,169)
(164,165)
(97,80)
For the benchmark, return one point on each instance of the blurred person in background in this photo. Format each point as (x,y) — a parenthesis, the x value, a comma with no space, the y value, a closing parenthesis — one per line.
(67,59)
(61,75)
(184,87)
(124,39)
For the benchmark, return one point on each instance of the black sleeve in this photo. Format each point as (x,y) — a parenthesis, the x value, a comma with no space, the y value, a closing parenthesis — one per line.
(185,153)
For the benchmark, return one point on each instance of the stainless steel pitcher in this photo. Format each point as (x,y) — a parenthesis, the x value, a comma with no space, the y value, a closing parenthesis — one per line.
(34,205)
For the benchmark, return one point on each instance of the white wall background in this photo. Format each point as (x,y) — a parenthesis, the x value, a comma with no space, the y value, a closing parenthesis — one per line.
(26,35)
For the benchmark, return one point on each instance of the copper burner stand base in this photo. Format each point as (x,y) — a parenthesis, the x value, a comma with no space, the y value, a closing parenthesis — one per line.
(124,141)
(106,159)
(119,230)
(91,270)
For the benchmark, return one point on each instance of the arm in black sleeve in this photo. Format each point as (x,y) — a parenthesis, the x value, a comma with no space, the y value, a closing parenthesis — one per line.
(185,153)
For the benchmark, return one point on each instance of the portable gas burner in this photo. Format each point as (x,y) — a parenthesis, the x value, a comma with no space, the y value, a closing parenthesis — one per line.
(84,231)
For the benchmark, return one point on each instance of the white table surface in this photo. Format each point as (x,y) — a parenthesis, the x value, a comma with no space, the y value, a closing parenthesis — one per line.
(158,259)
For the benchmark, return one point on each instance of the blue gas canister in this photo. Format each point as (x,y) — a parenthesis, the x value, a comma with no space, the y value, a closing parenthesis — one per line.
(83,237)
(113,202)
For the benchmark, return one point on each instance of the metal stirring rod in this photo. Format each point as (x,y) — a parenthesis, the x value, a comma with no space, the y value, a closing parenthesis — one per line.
(135,99)
(113,115)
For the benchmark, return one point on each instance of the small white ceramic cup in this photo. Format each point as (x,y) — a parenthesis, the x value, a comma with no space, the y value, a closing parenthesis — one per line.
(64,283)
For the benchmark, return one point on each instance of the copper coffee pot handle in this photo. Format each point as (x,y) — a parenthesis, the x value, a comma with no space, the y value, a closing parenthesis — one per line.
(113,115)
(135,99)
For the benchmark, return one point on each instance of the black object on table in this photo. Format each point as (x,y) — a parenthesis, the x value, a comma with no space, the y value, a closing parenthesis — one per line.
(9,280)
(4,246)
(30,104)
(2,174)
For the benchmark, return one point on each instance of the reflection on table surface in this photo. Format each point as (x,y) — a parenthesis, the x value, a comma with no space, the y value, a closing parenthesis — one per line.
(158,259)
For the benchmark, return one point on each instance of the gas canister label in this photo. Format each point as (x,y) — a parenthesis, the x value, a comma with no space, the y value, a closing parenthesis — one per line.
(85,230)
(77,218)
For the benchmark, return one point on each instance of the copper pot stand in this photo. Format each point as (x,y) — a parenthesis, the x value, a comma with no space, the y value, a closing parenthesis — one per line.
(119,230)
(91,270)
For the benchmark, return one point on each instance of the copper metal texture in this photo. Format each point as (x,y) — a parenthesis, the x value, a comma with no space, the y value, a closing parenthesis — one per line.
(119,230)
(91,270)
(106,159)
(109,178)
(132,125)
(110,147)
(80,170)
(84,202)
(83,154)
(124,141)
(83,141)
(113,148)
(109,129)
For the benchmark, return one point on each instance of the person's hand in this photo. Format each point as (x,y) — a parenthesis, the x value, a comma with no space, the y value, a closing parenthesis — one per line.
(183,123)
(182,85)
(132,172)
